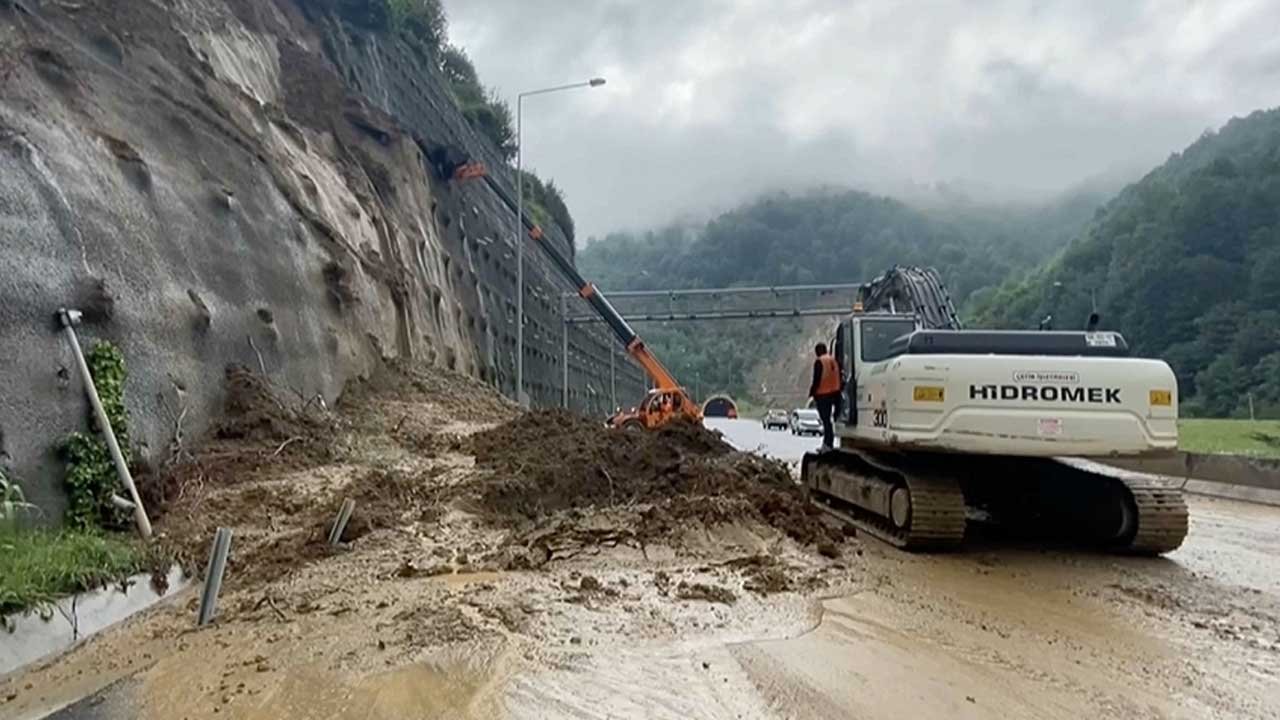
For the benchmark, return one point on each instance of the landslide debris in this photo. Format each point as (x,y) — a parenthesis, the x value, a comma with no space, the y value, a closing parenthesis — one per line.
(277,466)
(547,461)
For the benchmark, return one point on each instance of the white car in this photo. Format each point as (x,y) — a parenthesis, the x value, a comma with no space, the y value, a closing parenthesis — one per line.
(805,421)
(775,419)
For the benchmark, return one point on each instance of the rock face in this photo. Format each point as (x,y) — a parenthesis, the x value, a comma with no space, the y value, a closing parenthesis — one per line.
(243,181)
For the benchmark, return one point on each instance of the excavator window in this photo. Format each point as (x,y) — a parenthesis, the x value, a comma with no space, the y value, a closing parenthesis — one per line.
(843,349)
(878,337)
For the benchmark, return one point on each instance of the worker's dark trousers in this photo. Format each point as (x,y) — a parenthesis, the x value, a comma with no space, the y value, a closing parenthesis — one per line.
(826,405)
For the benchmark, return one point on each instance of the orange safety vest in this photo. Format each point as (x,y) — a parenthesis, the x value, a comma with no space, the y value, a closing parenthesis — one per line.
(830,382)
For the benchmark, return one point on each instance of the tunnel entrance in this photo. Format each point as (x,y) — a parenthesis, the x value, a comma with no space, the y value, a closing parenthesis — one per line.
(720,406)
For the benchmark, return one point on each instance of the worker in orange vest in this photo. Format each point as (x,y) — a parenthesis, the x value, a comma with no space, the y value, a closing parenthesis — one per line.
(825,391)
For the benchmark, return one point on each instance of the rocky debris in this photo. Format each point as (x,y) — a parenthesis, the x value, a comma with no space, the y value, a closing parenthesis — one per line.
(706,592)
(409,570)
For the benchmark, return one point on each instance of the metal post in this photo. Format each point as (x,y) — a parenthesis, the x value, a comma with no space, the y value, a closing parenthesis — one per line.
(340,523)
(564,352)
(613,383)
(520,396)
(520,235)
(213,576)
(68,318)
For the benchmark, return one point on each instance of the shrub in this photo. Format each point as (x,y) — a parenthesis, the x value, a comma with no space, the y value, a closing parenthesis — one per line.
(91,474)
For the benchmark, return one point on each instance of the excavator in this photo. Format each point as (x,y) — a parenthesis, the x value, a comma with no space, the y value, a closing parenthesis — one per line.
(666,401)
(944,430)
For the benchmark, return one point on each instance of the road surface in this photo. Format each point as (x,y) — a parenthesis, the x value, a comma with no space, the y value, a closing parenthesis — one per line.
(991,631)
(749,435)
(1023,632)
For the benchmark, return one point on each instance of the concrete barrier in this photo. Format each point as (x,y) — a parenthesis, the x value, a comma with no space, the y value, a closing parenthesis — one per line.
(1237,477)
(32,636)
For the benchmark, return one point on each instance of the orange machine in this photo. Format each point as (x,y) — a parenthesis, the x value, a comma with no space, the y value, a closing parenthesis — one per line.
(667,401)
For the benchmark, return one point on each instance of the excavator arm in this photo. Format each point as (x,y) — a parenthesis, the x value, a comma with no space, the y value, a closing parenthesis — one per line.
(912,289)
(674,401)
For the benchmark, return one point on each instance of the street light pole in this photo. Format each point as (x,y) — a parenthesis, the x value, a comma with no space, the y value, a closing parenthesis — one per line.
(521,397)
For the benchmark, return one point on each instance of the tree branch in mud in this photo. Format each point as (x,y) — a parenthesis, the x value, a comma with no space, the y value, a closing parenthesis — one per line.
(262,366)
(285,444)
(177,451)
(271,603)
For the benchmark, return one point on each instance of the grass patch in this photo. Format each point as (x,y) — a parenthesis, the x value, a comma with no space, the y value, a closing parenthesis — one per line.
(41,566)
(1260,438)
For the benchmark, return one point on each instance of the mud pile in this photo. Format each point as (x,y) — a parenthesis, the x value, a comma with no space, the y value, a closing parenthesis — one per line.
(256,412)
(456,395)
(264,469)
(548,461)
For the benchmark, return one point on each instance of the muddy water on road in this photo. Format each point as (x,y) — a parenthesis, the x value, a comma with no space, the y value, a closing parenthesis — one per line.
(993,631)
(990,632)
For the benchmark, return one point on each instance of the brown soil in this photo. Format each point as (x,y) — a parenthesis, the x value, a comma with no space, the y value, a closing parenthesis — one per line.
(549,461)
(241,477)
(547,540)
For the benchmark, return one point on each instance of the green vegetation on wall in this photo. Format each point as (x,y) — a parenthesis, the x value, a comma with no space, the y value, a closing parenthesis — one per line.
(484,110)
(546,204)
(91,475)
(422,20)
(424,25)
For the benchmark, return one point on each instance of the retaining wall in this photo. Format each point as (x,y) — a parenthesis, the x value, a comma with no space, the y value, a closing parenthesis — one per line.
(234,182)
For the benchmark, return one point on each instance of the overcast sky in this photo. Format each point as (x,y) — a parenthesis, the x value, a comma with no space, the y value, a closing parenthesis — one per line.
(709,102)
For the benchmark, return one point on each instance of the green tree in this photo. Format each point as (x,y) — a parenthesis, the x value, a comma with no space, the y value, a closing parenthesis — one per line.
(1186,263)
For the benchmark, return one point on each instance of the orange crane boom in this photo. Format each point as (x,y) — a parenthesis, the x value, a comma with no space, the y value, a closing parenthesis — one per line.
(667,400)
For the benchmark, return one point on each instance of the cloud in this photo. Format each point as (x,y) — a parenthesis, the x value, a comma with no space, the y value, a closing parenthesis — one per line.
(711,101)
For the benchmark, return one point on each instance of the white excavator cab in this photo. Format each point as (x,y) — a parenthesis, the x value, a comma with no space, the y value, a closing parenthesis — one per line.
(1039,393)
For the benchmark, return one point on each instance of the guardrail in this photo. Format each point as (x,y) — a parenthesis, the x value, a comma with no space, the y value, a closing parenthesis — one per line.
(1237,477)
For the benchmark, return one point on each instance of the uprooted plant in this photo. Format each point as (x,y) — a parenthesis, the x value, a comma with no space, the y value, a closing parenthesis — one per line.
(13,506)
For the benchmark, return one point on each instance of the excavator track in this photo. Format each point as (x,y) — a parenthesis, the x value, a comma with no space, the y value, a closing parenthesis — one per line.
(1070,500)
(935,519)
(1159,522)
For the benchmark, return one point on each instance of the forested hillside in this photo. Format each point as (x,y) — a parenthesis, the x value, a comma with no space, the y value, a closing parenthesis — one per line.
(1186,263)
(820,237)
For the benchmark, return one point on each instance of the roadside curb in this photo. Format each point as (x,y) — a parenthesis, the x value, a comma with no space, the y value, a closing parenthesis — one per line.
(1232,477)
(33,636)
(1227,491)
